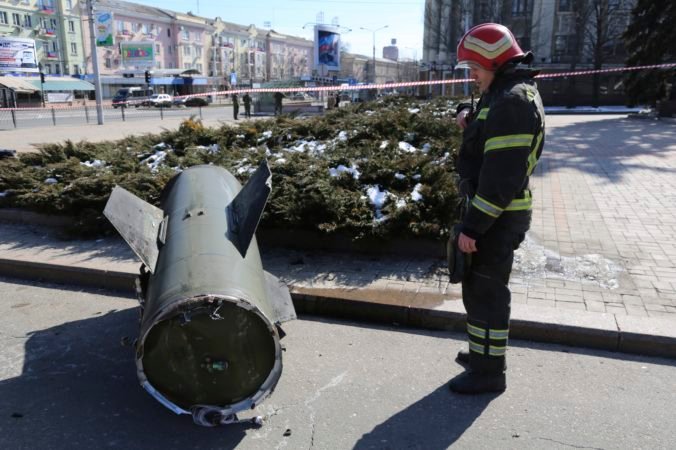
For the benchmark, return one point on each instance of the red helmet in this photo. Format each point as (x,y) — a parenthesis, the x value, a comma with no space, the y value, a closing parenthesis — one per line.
(489,45)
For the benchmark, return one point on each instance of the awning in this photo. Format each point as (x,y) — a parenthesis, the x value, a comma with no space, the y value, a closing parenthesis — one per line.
(63,84)
(17,84)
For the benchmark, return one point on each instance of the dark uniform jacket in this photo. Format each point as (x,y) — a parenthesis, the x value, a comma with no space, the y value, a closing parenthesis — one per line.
(500,148)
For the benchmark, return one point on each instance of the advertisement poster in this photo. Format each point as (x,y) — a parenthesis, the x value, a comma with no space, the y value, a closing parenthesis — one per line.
(104,29)
(327,47)
(137,54)
(18,55)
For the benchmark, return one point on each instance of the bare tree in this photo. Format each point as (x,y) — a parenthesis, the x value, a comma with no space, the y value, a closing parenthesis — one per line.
(607,24)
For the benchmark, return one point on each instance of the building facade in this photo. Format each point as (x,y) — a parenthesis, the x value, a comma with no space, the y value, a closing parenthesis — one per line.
(562,34)
(56,28)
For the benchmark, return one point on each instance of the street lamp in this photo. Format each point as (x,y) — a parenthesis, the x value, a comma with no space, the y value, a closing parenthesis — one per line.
(95,62)
(374,46)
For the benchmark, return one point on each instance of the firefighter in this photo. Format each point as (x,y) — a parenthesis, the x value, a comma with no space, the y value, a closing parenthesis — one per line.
(503,136)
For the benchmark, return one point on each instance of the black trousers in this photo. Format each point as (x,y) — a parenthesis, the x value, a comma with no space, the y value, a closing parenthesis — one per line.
(486,295)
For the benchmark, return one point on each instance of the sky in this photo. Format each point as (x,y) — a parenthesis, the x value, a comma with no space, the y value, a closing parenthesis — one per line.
(403,18)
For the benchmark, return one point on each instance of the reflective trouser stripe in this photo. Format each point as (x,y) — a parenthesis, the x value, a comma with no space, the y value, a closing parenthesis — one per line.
(476,331)
(491,342)
(497,351)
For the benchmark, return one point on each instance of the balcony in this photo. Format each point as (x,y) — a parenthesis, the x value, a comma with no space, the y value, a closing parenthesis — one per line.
(46,9)
(46,32)
(52,55)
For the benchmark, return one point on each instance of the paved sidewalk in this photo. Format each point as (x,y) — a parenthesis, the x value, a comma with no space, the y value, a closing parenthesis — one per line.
(598,268)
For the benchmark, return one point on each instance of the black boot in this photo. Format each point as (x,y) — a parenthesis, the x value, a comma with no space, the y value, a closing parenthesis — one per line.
(470,382)
(462,357)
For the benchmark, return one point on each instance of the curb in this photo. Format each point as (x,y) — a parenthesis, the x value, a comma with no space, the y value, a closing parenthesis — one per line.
(603,331)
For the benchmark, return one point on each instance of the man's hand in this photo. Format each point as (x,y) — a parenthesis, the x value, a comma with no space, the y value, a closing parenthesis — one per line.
(461,118)
(466,243)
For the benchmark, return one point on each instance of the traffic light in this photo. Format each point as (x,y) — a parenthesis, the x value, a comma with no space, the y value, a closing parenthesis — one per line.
(42,77)
(147,76)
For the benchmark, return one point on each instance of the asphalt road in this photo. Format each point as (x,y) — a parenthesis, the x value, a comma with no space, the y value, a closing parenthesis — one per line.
(34,118)
(67,381)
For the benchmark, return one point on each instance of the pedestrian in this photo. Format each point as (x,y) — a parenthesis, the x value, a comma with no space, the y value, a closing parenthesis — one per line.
(337,100)
(503,138)
(247,105)
(235,106)
(278,102)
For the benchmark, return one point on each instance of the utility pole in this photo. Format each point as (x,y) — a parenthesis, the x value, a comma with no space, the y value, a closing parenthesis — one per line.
(95,62)
(374,48)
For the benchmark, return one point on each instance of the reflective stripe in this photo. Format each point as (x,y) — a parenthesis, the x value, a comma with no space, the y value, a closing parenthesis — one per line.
(486,206)
(533,157)
(486,49)
(476,331)
(509,141)
(521,204)
(477,348)
(497,351)
(483,114)
(530,94)
(498,334)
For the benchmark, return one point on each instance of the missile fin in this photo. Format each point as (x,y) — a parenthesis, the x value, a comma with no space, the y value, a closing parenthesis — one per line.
(246,209)
(280,299)
(138,222)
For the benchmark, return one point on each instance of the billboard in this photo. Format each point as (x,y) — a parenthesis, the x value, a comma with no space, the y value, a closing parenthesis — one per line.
(103,27)
(18,55)
(137,54)
(327,48)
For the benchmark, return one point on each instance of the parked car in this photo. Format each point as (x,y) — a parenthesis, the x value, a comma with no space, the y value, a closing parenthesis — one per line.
(163,100)
(191,101)
(131,96)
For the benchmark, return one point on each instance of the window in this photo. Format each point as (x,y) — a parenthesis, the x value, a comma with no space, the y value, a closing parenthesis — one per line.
(199,68)
(76,69)
(565,5)
(519,7)
(73,48)
(16,19)
(55,47)
(27,21)
(57,69)
(157,49)
(168,32)
(186,35)
(109,63)
(146,28)
(565,25)
(69,4)
(48,69)
(170,49)
(198,35)
(43,22)
(198,52)
(3,17)
(71,26)
(138,27)
(186,50)
(52,22)
(119,25)
(45,47)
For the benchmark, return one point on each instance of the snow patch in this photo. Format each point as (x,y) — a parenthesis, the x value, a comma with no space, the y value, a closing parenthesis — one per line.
(341,168)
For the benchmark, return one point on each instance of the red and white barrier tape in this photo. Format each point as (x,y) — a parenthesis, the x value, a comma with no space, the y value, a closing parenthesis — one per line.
(371,86)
